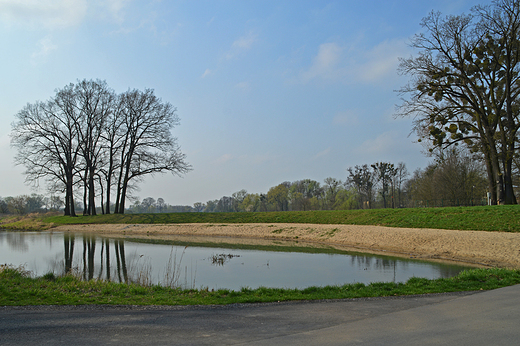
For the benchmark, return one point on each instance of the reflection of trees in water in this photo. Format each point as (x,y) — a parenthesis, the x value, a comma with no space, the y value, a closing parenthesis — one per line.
(68,240)
(449,271)
(97,261)
(87,266)
(121,259)
(17,241)
(376,263)
(379,264)
(89,249)
(387,264)
(105,251)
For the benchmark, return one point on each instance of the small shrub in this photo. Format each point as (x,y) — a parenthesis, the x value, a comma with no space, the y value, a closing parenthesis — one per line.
(310,290)
(415,281)
(49,276)
(8,271)
(247,290)
(66,279)
(138,290)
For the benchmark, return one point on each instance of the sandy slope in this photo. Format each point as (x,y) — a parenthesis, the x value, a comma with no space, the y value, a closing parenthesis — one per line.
(499,249)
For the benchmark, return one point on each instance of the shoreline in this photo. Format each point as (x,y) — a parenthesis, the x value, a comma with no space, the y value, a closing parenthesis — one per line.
(477,248)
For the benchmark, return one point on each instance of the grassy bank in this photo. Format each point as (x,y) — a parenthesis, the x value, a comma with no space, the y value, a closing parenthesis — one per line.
(488,218)
(17,288)
(31,222)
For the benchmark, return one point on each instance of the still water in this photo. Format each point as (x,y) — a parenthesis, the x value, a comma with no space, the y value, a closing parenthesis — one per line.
(189,263)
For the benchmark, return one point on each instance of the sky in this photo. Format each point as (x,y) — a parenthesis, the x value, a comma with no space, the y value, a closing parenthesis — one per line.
(266,91)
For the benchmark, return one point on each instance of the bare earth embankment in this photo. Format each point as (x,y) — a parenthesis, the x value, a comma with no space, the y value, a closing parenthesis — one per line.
(497,249)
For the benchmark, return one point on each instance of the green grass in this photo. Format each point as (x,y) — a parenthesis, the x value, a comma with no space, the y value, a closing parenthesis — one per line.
(17,288)
(488,218)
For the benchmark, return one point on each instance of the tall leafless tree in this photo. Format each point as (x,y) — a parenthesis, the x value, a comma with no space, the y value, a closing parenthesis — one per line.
(465,87)
(362,179)
(94,102)
(46,138)
(148,146)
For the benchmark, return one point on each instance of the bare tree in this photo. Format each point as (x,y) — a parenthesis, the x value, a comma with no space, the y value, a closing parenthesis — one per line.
(199,207)
(399,180)
(94,102)
(238,198)
(161,204)
(331,189)
(148,146)
(384,173)
(456,177)
(362,179)
(46,138)
(113,142)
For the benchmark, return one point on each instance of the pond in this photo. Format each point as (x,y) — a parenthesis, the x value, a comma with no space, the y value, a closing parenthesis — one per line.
(191,262)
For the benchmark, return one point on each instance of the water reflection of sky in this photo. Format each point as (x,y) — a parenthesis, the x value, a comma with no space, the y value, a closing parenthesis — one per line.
(192,266)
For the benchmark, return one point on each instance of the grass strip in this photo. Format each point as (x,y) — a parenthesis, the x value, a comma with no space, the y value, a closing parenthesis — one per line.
(18,288)
(504,218)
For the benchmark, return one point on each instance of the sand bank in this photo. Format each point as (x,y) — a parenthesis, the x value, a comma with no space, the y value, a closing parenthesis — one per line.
(496,249)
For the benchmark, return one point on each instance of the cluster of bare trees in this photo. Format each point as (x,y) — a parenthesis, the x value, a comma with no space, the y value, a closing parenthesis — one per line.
(455,177)
(151,205)
(465,88)
(388,176)
(88,138)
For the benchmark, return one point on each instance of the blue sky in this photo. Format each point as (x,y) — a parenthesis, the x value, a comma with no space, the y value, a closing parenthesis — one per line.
(267,91)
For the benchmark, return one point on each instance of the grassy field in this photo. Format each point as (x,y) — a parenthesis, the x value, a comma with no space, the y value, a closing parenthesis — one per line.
(488,218)
(17,288)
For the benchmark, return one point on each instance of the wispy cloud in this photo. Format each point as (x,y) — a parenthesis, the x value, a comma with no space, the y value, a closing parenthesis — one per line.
(349,118)
(51,14)
(383,144)
(210,21)
(206,73)
(381,61)
(263,158)
(45,46)
(326,64)
(223,159)
(338,63)
(245,42)
(243,85)
(116,9)
(322,154)
(242,44)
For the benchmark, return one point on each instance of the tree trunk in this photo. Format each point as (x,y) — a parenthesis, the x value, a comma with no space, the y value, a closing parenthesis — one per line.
(109,182)
(91,193)
(70,209)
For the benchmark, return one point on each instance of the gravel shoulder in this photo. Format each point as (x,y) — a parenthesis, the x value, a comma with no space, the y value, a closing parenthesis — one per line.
(493,249)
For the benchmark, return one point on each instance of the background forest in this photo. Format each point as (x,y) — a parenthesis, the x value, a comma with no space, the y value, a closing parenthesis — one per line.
(453,178)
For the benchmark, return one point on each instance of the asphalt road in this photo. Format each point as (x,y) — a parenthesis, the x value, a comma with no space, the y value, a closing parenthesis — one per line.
(471,318)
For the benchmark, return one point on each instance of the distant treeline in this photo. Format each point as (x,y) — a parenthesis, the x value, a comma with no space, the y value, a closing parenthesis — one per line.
(454,178)
(26,204)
